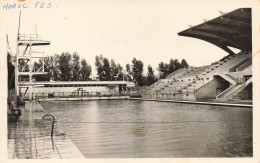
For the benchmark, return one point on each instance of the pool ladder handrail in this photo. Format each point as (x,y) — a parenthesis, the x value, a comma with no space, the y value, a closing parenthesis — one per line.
(53,121)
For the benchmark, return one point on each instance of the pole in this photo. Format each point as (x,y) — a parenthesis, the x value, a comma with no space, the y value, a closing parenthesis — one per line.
(30,72)
(16,62)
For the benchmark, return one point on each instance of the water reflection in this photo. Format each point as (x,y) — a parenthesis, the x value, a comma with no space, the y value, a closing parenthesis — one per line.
(125,128)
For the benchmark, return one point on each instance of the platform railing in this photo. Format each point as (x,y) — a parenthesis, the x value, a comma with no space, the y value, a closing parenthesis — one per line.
(29,37)
(27,53)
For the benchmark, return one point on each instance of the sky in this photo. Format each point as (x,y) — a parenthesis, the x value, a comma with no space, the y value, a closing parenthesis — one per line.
(144,29)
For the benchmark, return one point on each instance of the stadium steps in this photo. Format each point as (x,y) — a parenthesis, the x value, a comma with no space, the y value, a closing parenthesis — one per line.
(234,61)
(177,73)
(195,85)
(190,79)
(223,66)
(226,64)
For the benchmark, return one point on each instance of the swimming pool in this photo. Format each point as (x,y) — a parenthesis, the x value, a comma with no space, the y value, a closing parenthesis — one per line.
(135,128)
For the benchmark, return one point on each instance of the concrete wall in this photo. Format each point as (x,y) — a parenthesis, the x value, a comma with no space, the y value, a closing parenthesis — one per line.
(212,89)
(246,93)
(241,95)
(207,91)
(179,96)
(185,97)
(146,95)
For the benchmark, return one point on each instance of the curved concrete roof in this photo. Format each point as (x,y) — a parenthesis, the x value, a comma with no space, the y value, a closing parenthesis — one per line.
(233,29)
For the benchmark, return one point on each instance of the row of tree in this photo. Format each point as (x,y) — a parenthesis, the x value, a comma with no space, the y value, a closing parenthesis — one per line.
(69,67)
(167,68)
(110,71)
(163,68)
(64,67)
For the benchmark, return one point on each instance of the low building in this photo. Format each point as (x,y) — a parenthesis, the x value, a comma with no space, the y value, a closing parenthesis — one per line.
(75,88)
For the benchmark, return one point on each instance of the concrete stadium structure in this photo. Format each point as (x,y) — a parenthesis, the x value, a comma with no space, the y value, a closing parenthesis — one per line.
(229,78)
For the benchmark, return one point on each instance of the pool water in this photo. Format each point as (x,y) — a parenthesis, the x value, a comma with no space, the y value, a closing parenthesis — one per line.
(140,129)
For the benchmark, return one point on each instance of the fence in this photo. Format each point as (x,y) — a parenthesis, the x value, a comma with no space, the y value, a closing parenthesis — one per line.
(44,95)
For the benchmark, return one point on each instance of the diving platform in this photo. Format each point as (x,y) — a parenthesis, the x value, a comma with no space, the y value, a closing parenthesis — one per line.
(33,73)
(33,42)
(31,39)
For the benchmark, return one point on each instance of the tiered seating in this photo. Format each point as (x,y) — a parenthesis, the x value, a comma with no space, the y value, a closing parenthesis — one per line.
(188,80)
(174,82)
(177,73)
(222,66)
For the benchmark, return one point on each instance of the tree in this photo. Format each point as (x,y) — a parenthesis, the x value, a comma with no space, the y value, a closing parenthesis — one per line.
(128,68)
(166,69)
(23,65)
(11,73)
(65,66)
(52,65)
(120,74)
(143,81)
(106,76)
(99,65)
(75,67)
(163,70)
(151,78)
(171,66)
(176,64)
(184,64)
(128,73)
(38,66)
(137,70)
(103,68)
(85,70)
(114,70)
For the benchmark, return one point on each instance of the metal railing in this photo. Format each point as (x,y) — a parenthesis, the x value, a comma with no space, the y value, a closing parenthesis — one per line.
(53,121)
(46,95)
(23,53)
(29,37)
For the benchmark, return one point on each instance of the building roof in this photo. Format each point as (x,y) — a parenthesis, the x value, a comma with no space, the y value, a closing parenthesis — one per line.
(233,29)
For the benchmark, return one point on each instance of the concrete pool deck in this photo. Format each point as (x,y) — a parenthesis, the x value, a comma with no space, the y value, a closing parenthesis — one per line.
(29,137)
(83,98)
(219,103)
(206,102)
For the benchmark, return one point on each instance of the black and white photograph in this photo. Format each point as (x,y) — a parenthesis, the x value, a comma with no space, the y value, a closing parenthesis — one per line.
(130,79)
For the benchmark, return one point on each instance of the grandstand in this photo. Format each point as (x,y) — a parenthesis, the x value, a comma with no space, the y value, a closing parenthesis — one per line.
(228,79)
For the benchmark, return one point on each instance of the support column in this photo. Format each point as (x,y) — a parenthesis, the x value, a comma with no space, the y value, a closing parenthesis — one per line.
(30,71)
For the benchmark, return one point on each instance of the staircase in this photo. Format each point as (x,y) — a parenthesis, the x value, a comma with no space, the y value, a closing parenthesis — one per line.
(227,77)
(234,89)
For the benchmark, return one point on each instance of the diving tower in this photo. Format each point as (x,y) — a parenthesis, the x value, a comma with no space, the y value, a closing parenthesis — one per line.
(23,62)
